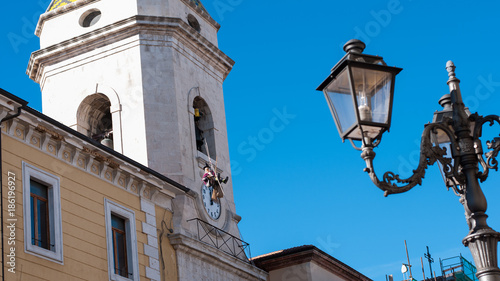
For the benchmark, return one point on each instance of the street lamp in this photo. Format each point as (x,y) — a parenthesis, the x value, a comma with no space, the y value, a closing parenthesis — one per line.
(359,92)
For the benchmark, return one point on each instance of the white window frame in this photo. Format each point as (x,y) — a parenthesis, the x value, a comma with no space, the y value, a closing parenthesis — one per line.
(128,215)
(55,222)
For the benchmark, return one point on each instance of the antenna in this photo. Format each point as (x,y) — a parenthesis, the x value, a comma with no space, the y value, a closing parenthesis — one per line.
(409,264)
(430,259)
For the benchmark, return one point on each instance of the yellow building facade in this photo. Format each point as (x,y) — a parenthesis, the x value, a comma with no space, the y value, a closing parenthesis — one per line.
(85,185)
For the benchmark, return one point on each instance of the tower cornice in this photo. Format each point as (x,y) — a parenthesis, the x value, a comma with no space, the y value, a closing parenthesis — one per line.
(136,25)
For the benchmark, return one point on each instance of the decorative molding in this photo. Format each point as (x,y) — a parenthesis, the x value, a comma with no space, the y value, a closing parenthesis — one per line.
(13,126)
(52,133)
(101,158)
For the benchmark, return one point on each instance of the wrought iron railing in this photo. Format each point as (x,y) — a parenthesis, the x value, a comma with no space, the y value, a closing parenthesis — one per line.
(222,240)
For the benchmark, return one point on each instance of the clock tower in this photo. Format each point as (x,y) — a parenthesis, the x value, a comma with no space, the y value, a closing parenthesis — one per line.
(144,77)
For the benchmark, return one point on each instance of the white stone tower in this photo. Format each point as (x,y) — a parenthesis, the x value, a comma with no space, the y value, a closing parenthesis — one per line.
(144,77)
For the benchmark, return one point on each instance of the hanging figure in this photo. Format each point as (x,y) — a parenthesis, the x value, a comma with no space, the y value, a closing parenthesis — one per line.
(215,182)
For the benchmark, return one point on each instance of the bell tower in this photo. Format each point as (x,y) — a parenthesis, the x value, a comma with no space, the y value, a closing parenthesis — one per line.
(128,72)
(143,77)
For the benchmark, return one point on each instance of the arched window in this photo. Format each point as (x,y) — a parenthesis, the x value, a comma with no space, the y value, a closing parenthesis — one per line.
(94,119)
(204,128)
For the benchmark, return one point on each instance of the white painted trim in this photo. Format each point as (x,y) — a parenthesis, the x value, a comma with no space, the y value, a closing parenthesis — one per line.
(132,253)
(56,238)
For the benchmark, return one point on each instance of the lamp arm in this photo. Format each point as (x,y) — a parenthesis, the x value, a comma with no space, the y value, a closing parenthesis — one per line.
(429,154)
(491,162)
(374,143)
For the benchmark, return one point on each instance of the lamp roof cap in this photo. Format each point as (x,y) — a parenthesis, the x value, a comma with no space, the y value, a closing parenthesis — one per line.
(354,46)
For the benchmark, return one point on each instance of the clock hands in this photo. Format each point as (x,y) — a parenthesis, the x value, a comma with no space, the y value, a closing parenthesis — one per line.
(211,200)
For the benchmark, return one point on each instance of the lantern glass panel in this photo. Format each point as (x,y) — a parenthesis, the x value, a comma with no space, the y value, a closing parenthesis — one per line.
(373,94)
(338,95)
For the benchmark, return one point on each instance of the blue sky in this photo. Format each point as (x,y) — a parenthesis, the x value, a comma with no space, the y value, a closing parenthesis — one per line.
(295,182)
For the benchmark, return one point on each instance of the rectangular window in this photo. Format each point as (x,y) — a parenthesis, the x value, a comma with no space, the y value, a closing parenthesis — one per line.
(119,245)
(40,225)
(123,261)
(42,214)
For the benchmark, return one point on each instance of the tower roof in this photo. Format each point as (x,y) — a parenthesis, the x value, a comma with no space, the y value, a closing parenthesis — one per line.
(59,3)
(199,5)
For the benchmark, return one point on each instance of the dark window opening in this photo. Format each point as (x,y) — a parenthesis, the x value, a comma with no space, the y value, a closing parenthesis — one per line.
(193,22)
(95,119)
(200,140)
(119,246)
(91,19)
(104,127)
(40,228)
(204,128)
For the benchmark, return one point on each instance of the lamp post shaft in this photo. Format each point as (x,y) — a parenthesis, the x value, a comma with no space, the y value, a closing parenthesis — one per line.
(481,240)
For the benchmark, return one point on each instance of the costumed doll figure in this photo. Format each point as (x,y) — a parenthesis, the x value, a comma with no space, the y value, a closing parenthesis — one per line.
(210,179)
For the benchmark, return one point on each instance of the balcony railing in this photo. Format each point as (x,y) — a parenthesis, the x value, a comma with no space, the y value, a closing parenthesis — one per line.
(224,241)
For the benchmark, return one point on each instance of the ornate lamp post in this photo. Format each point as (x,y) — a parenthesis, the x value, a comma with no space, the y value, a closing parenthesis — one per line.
(359,92)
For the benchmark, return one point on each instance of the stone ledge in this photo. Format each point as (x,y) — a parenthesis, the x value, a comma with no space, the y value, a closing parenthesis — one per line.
(136,25)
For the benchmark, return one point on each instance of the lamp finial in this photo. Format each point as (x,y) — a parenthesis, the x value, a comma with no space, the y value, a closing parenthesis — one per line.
(453,82)
(450,67)
(354,46)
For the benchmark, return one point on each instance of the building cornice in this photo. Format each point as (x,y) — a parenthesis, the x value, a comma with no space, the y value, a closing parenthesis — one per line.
(136,25)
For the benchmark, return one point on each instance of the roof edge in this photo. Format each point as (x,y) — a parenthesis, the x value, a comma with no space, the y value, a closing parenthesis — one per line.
(307,253)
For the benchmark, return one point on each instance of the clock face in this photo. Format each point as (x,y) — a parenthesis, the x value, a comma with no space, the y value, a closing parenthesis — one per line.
(212,207)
